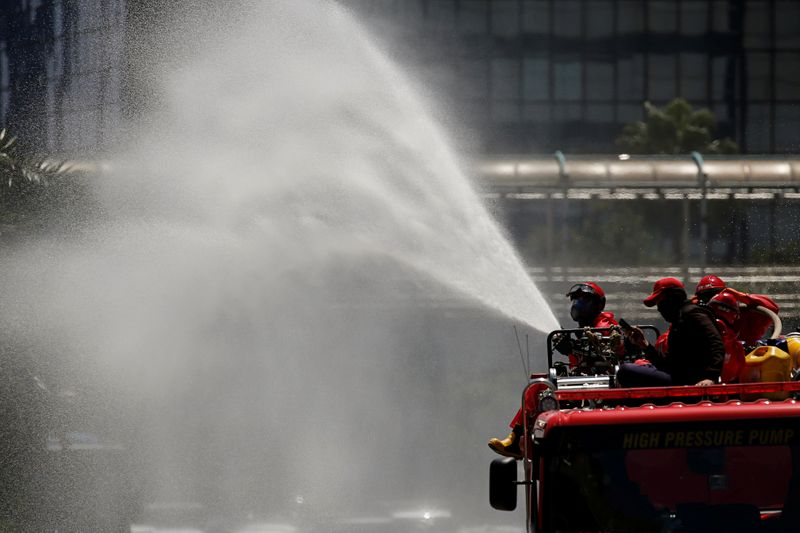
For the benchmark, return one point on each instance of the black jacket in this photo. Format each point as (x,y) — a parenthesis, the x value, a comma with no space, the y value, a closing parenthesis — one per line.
(695,350)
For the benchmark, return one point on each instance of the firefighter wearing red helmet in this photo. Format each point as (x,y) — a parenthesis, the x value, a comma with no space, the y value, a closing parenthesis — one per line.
(587,301)
(708,287)
(587,304)
(752,323)
(725,307)
(754,316)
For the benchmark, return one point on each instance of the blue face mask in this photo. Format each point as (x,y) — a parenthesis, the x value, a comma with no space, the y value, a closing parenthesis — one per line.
(581,309)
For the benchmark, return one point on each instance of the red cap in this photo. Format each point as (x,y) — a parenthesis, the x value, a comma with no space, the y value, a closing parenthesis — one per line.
(708,283)
(588,287)
(659,287)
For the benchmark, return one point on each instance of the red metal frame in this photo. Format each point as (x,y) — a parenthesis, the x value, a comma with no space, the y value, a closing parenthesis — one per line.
(678,392)
(675,412)
(690,404)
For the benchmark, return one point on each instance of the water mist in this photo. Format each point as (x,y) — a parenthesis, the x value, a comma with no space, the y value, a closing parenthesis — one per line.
(293,292)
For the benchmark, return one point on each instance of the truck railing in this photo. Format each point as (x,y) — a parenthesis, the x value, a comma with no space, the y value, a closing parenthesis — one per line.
(583,382)
(693,391)
(557,332)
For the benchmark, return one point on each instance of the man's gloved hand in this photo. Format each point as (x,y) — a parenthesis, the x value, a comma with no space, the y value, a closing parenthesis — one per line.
(636,336)
(563,344)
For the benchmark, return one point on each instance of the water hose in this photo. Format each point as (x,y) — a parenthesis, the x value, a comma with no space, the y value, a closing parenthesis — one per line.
(776,321)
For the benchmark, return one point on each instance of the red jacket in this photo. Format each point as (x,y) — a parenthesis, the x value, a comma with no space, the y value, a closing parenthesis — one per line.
(734,353)
(753,324)
(604,320)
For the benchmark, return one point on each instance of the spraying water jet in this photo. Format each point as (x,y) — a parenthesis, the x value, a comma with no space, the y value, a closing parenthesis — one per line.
(291,171)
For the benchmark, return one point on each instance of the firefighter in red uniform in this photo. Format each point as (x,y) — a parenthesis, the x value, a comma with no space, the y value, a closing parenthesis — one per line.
(752,323)
(725,307)
(587,303)
(754,316)
(708,287)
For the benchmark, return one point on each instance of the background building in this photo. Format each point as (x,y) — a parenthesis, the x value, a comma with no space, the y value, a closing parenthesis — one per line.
(525,75)
(61,66)
(541,75)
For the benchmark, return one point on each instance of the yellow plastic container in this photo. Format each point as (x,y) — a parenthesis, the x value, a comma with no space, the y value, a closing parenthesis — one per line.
(793,342)
(766,363)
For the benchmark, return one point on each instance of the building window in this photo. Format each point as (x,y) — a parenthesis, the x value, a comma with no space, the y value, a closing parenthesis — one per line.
(568,79)
(720,68)
(473,16)
(92,50)
(411,12)
(86,90)
(787,76)
(505,17)
(720,16)
(599,19)
(441,15)
(756,25)
(505,79)
(505,111)
(600,113)
(630,113)
(536,113)
(787,24)
(536,17)
(476,80)
(694,77)
(758,128)
(630,78)
(662,77)
(630,16)
(694,18)
(567,15)
(662,17)
(600,81)
(758,77)
(723,113)
(787,128)
(566,112)
(505,90)
(535,78)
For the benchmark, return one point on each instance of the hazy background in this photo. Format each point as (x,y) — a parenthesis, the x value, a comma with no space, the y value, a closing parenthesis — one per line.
(282,298)
(285,299)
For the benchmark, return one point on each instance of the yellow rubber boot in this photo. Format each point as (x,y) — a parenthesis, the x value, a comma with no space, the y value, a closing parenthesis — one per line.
(508,447)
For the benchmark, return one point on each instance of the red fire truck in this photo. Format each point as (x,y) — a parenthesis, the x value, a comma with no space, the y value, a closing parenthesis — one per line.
(598,458)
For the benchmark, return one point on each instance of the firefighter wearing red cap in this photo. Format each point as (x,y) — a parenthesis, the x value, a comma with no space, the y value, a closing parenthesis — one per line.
(587,304)
(708,287)
(695,351)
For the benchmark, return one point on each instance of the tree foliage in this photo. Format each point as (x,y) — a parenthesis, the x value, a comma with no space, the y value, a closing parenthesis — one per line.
(33,189)
(676,128)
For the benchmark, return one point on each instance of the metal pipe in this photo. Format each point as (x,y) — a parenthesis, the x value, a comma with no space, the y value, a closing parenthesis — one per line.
(702,178)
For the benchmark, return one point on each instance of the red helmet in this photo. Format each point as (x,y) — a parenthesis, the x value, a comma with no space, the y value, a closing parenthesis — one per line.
(589,287)
(710,283)
(725,306)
